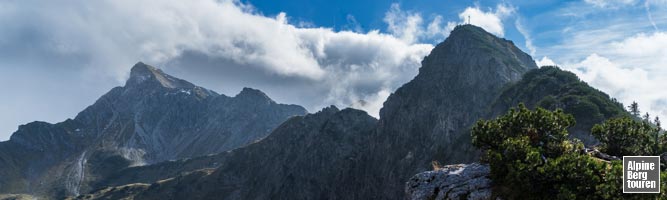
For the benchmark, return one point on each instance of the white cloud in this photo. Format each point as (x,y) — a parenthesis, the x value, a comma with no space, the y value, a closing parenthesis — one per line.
(642,50)
(81,49)
(545,61)
(404,25)
(123,32)
(374,103)
(409,26)
(632,72)
(491,21)
(526,35)
(647,7)
(623,56)
(610,3)
(352,24)
(360,66)
(437,30)
(94,43)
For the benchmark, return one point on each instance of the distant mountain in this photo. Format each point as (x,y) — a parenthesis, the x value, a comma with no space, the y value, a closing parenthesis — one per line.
(155,117)
(553,88)
(301,159)
(347,154)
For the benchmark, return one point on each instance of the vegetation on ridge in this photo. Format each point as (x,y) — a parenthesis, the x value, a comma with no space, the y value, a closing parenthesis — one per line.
(552,88)
(531,156)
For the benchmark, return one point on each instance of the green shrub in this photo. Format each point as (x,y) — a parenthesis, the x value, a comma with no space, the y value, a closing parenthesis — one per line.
(626,137)
(531,157)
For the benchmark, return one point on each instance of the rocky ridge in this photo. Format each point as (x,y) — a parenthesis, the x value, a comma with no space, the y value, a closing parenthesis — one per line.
(301,159)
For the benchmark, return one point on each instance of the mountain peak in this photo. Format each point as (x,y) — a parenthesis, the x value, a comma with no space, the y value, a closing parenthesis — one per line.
(253,95)
(142,73)
(456,83)
(142,69)
(251,92)
(468,31)
(469,28)
(469,45)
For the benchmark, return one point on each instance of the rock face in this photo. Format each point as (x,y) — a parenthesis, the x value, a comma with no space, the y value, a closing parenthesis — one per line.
(153,118)
(451,182)
(429,118)
(349,155)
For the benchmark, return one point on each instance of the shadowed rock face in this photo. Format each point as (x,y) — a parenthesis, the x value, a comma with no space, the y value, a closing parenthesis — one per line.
(348,155)
(309,157)
(155,117)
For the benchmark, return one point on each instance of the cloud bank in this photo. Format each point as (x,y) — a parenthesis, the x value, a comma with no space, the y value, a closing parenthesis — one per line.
(610,3)
(624,56)
(632,69)
(80,49)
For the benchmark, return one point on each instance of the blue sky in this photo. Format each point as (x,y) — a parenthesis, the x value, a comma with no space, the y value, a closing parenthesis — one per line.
(369,14)
(545,20)
(57,57)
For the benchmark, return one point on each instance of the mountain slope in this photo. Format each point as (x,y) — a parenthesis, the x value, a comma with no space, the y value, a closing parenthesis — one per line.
(552,88)
(301,159)
(426,119)
(153,118)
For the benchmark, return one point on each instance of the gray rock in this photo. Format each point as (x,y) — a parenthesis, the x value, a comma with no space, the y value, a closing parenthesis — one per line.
(596,153)
(451,182)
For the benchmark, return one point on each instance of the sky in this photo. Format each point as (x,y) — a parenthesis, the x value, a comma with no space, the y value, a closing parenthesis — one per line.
(57,57)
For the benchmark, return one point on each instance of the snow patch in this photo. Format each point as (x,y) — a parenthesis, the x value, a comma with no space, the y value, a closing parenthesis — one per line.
(140,79)
(185,91)
(133,154)
(457,171)
(76,175)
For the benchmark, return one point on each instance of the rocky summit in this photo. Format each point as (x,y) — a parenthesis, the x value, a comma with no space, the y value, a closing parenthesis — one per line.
(155,117)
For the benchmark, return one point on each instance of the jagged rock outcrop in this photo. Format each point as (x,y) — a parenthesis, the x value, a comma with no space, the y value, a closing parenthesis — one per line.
(348,155)
(155,117)
(594,152)
(461,181)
